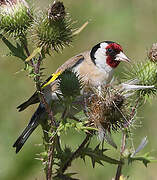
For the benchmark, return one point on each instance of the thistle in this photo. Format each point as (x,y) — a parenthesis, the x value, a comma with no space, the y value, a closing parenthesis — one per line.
(153,52)
(52,30)
(70,84)
(145,73)
(107,112)
(15,18)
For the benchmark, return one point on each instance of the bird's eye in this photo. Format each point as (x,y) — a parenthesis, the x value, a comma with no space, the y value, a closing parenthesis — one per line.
(109,50)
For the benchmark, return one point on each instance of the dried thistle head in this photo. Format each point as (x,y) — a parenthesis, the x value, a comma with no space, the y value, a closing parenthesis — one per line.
(56,11)
(153,53)
(107,111)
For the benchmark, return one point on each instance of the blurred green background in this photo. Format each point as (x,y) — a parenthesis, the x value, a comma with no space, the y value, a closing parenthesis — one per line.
(132,23)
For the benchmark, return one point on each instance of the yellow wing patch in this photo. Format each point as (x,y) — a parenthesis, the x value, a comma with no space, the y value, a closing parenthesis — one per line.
(54,77)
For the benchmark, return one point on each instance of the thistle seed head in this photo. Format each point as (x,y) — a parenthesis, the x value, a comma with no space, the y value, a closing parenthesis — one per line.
(107,112)
(56,11)
(153,53)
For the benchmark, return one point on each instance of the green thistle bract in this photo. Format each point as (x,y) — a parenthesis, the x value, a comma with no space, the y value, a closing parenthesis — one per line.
(52,32)
(146,74)
(70,84)
(15,18)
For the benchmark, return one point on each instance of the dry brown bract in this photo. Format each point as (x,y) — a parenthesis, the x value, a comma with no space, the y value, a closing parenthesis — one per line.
(107,111)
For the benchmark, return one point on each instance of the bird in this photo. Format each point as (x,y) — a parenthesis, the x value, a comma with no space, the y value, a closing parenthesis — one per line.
(95,67)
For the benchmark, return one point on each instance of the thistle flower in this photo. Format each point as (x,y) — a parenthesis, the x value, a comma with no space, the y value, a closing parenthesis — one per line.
(15,18)
(52,30)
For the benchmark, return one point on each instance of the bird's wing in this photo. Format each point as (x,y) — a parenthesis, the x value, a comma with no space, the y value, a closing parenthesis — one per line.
(72,62)
(32,100)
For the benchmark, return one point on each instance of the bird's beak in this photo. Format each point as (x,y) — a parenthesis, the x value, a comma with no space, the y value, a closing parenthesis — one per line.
(122,57)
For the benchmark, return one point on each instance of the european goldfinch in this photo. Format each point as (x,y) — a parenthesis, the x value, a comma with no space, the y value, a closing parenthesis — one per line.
(95,68)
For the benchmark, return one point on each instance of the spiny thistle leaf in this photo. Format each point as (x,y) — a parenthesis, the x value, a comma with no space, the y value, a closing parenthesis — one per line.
(64,155)
(145,159)
(66,176)
(97,156)
(17,50)
(52,30)
(15,18)
(64,127)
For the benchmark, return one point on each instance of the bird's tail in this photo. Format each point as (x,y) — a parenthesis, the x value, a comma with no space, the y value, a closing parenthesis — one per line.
(34,122)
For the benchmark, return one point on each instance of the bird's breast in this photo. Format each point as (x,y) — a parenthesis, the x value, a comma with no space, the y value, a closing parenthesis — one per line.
(93,75)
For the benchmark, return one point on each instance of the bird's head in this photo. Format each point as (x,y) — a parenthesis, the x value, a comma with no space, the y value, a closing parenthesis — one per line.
(108,54)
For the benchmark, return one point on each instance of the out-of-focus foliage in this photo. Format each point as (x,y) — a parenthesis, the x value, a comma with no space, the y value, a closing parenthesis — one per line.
(133,25)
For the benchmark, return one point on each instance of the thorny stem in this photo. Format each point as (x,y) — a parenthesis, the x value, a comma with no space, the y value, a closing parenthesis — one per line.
(133,112)
(23,42)
(26,49)
(50,114)
(119,168)
(123,144)
(50,161)
(51,141)
(75,154)
(43,100)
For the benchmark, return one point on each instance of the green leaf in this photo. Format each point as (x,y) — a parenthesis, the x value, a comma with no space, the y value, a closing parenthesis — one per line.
(17,50)
(66,176)
(145,159)
(97,156)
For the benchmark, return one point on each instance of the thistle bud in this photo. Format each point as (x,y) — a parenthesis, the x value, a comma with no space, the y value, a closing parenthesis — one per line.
(70,84)
(146,75)
(153,53)
(52,30)
(15,18)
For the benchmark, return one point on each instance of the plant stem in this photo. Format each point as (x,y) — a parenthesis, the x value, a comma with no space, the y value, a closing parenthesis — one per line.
(133,112)
(119,171)
(50,161)
(119,168)
(75,154)
(24,43)
(51,140)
